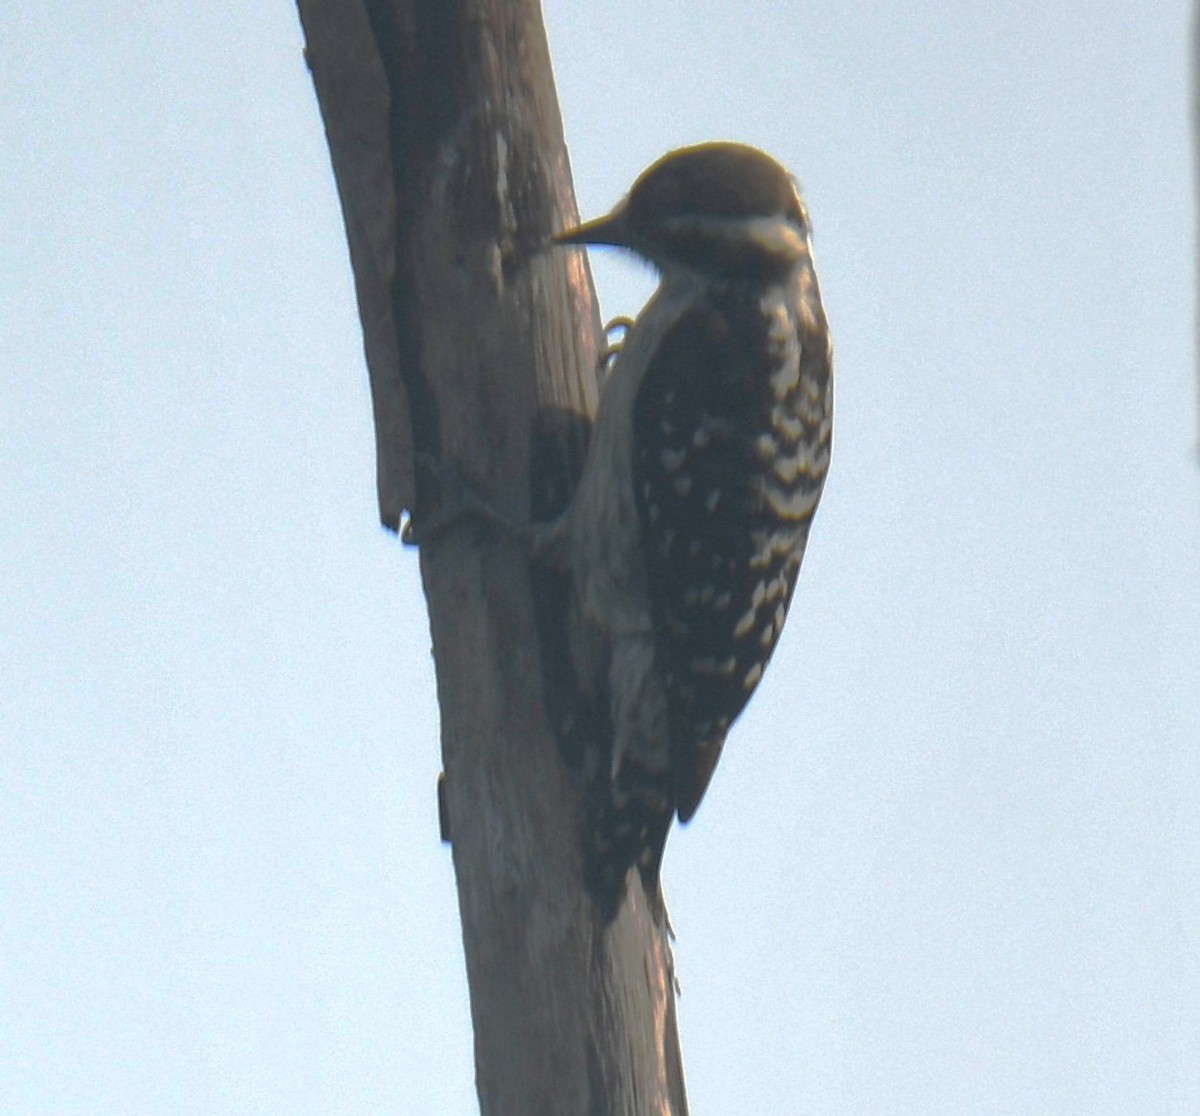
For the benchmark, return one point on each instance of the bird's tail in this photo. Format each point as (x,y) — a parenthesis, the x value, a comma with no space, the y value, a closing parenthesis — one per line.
(626,830)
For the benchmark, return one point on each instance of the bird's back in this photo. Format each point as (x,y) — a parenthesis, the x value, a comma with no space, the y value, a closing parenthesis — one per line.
(732,438)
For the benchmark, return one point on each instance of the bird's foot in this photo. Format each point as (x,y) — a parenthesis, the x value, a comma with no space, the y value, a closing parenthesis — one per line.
(457,502)
(612,346)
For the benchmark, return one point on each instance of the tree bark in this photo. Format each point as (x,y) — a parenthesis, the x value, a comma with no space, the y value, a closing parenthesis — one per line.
(447,147)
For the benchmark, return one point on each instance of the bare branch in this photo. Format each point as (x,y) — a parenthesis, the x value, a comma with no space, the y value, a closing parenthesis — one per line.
(447,144)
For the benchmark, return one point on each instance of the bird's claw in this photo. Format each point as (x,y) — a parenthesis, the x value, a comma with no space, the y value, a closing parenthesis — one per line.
(612,348)
(456,501)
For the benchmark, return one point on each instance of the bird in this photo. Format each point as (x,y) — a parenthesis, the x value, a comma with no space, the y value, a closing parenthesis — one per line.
(684,537)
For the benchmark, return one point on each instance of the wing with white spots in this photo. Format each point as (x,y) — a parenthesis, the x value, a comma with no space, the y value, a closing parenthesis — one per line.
(731,446)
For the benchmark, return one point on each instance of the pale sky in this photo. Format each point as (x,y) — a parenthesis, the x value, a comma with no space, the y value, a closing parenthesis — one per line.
(948,865)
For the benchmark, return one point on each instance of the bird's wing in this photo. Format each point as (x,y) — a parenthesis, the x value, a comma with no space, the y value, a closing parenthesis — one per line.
(720,565)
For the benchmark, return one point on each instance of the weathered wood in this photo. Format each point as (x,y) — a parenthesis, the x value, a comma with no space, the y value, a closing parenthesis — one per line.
(353,94)
(447,145)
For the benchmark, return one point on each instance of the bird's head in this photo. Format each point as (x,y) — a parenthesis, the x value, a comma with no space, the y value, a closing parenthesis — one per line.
(722,209)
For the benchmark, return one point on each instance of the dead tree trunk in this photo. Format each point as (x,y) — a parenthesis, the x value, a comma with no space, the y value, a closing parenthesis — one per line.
(448,151)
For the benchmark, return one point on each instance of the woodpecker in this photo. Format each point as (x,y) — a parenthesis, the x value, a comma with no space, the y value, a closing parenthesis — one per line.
(684,537)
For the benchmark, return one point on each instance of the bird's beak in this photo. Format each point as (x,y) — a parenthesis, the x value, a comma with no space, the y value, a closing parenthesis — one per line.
(604,230)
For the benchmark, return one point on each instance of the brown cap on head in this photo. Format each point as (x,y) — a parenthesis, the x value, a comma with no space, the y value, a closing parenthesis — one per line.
(705,206)
(713,180)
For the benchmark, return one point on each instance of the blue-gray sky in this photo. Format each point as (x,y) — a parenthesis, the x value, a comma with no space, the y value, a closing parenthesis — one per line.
(948,865)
